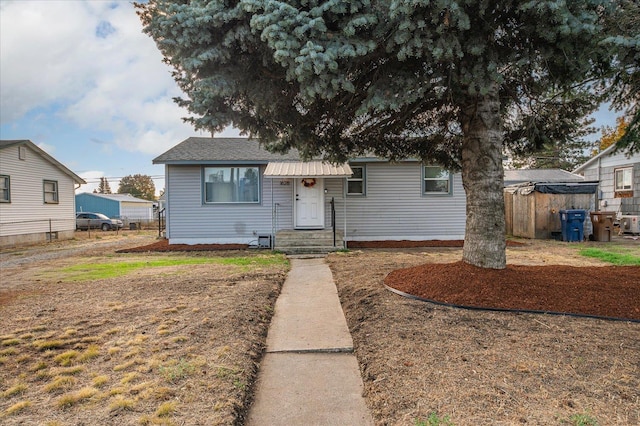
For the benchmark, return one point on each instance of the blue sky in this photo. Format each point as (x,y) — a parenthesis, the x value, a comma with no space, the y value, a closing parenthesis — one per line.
(80,80)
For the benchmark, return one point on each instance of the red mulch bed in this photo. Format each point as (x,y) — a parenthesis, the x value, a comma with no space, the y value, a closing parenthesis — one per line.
(413,244)
(610,291)
(164,246)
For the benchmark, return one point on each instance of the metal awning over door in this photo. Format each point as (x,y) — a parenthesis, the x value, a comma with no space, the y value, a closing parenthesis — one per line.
(308,169)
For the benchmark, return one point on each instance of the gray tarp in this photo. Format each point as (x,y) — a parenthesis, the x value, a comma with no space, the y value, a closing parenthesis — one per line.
(554,188)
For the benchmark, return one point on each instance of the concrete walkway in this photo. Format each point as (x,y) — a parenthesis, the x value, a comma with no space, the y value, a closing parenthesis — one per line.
(309,375)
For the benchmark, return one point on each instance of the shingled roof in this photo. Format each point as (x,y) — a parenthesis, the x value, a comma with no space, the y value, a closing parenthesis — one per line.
(25,142)
(539,176)
(215,150)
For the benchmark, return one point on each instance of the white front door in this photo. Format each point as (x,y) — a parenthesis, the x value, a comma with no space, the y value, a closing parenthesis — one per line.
(309,203)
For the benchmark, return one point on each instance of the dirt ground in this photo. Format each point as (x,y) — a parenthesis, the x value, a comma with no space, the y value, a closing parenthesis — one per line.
(172,345)
(420,359)
(181,344)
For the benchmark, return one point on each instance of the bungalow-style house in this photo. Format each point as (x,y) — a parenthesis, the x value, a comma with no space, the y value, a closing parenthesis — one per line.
(126,207)
(619,189)
(231,190)
(37,202)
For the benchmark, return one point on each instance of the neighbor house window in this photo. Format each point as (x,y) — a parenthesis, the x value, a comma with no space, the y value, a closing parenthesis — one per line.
(356,183)
(623,179)
(436,180)
(231,184)
(50,190)
(5,189)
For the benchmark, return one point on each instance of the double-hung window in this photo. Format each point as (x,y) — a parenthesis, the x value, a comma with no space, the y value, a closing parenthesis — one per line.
(5,189)
(50,191)
(436,180)
(231,185)
(623,179)
(356,183)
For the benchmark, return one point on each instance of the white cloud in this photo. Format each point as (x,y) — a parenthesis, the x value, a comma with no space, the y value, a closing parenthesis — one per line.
(91,62)
(49,149)
(92,177)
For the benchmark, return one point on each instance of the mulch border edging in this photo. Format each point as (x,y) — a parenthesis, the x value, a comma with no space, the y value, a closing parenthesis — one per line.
(521,311)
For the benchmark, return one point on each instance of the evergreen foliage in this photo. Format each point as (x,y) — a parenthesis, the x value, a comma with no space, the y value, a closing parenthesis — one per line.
(341,77)
(623,29)
(452,82)
(103,187)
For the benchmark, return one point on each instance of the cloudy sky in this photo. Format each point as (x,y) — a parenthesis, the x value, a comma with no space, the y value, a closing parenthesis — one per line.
(80,79)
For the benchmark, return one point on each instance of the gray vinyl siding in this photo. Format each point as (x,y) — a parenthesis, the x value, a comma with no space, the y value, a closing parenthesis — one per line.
(27,213)
(190,221)
(394,207)
(604,172)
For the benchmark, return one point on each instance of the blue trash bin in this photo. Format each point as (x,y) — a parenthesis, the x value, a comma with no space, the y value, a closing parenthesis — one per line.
(572,222)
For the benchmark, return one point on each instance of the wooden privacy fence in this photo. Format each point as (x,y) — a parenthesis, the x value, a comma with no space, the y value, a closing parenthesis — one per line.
(532,210)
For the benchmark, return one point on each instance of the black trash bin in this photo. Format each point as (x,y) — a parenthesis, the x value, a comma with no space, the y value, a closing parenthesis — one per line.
(602,225)
(572,222)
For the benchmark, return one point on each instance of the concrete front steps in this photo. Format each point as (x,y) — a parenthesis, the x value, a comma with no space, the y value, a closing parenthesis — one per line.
(307,242)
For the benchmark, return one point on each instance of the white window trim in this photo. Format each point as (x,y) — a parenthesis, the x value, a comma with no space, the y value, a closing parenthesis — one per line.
(436,193)
(204,185)
(55,192)
(615,178)
(363,180)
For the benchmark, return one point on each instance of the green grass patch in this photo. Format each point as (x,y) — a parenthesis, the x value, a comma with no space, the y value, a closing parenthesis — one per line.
(175,371)
(583,419)
(615,255)
(96,271)
(435,420)
(252,261)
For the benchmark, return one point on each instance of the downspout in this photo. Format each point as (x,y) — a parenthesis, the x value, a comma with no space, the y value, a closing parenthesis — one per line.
(344,212)
(599,191)
(273,223)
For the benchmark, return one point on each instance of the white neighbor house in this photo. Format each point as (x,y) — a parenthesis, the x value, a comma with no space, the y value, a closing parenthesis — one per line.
(37,195)
(619,188)
(231,190)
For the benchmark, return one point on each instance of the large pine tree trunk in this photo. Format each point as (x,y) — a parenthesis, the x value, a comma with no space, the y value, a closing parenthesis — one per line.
(483,180)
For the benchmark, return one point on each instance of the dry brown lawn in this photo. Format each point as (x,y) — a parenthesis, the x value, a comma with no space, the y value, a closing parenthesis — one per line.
(420,360)
(181,344)
(168,345)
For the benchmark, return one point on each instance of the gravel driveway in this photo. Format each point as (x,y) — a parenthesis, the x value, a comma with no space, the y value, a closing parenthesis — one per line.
(100,242)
